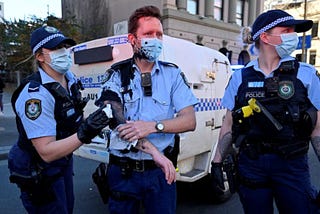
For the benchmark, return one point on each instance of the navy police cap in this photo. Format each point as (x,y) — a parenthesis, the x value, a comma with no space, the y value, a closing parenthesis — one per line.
(277,18)
(48,37)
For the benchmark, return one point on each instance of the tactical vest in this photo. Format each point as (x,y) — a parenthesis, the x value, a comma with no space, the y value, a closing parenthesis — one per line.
(286,98)
(68,110)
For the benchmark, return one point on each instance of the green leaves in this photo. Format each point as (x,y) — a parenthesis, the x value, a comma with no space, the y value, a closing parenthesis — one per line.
(15,51)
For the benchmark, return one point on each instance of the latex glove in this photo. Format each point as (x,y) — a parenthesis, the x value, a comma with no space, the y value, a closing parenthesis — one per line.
(93,125)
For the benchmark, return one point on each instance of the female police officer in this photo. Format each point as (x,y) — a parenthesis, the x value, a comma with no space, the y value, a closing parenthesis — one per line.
(49,115)
(274,140)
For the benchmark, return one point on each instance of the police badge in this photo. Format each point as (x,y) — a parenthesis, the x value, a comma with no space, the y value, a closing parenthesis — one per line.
(33,108)
(286,89)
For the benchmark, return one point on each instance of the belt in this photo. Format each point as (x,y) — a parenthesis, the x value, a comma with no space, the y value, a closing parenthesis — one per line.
(135,165)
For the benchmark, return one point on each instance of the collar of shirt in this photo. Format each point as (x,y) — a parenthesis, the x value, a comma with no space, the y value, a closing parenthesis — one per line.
(47,79)
(255,63)
(155,67)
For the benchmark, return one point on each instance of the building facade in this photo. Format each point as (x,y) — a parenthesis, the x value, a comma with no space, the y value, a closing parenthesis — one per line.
(213,23)
(303,9)
(1,11)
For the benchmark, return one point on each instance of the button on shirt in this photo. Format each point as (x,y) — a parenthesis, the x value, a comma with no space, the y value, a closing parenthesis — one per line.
(306,73)
(45,123)
(170,94)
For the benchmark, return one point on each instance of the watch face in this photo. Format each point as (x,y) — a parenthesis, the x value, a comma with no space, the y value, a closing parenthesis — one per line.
(160,126)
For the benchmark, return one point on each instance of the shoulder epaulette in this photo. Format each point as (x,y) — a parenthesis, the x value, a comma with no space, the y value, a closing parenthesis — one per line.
(122,63)
(34,86)
(168,64)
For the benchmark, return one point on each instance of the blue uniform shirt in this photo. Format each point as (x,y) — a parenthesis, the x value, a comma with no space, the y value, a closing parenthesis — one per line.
(306,73)
(36,109)
(170,94)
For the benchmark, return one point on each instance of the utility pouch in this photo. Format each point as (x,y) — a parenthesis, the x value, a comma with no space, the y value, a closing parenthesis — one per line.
(100,178)
(38,187)
(146,83)
(42,193)
(27,175)
(172,152)
(229,166)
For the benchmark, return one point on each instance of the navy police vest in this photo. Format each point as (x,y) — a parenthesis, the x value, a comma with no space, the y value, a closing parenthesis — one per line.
(285,97)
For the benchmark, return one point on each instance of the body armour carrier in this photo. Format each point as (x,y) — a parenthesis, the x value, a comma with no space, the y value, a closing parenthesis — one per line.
(285,97)
(68,111)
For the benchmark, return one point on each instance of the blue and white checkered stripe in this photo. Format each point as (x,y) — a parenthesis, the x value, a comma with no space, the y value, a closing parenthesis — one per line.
(45,40)
(209,104)
(271,25)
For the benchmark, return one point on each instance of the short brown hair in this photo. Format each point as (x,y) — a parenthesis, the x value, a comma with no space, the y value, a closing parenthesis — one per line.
(147,11)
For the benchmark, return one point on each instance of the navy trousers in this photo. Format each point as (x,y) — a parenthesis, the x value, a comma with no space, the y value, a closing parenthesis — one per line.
(287,183)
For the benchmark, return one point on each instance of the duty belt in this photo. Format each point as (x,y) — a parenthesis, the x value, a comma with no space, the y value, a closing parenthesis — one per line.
(135,165)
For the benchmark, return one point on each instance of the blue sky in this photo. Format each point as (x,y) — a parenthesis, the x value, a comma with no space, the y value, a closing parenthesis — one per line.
(23,9)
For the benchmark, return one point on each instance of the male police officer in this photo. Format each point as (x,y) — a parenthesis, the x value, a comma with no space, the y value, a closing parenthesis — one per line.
(151,92)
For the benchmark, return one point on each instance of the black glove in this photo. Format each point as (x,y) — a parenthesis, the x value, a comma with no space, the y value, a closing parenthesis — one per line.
(83,103)
(93,125)
(217,175)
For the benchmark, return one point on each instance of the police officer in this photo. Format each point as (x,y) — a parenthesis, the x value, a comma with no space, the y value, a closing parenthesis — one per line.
(49,116)
(151,92)
(273,138)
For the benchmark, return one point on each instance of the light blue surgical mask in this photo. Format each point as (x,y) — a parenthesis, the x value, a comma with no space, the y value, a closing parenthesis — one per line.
(60,60)
(150,49)
(288,45)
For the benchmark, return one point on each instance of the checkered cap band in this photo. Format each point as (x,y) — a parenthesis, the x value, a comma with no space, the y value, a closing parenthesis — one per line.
(45,40)
(271,25)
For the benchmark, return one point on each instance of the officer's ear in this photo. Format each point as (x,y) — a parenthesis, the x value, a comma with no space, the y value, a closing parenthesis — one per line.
(39,55)
(264,37)
(132,39)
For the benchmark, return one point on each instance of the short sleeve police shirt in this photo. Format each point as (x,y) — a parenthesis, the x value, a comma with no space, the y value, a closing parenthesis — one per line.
(36,108)
(170,94)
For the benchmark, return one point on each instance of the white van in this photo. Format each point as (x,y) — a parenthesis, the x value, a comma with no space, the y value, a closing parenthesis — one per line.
(207,72)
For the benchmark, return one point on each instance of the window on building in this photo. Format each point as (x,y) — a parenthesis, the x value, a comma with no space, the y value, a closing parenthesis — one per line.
(313,55)
(314,30)
(192,6)
(239,15)
(218,9)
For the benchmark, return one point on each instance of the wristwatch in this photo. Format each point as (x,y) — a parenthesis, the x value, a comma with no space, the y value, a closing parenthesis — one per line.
(159,126)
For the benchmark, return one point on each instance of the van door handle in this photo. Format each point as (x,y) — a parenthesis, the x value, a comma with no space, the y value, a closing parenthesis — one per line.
(210,122)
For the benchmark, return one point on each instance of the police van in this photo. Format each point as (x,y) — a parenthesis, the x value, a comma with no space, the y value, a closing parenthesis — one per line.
(207,72)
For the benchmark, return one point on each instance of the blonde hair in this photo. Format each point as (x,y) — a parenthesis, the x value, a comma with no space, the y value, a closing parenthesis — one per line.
(246,35)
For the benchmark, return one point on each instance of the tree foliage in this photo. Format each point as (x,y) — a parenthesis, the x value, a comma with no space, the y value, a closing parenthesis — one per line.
(15,51)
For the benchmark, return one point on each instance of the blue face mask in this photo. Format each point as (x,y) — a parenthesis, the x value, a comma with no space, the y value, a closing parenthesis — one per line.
(288,45)
(60,60)
(150,49)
